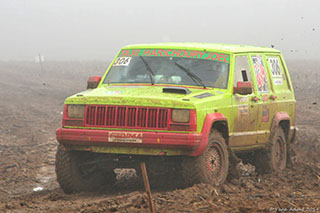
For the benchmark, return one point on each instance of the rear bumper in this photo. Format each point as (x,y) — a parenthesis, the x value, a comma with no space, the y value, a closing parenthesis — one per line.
(128,142)
(293,134)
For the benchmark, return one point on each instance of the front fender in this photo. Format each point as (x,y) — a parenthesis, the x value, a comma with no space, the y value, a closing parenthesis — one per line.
(206,129)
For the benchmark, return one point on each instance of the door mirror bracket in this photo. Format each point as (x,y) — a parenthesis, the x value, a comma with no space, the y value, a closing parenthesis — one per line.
(93,82)
(243,88)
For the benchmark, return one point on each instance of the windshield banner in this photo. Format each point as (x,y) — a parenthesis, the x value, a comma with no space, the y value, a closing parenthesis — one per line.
(214,56)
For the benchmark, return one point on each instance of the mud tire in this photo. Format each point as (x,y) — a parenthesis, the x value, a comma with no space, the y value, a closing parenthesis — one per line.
(274,157)
(71,179)
(210,167)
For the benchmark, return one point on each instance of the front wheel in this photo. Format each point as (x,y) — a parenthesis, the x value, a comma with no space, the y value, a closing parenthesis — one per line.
(78,171)
(210,167)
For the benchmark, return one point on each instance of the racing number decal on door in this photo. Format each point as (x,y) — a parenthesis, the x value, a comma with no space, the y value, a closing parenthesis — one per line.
(261,74)
(122,61)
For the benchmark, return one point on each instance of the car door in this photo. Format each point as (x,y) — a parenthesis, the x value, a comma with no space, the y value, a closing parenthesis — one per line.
(263,97)
(244,108)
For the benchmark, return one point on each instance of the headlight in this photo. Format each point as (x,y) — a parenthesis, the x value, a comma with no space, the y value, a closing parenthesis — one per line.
(180,115)
(76,111)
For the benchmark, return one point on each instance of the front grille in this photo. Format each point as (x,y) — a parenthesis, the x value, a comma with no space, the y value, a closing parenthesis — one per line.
(126,117)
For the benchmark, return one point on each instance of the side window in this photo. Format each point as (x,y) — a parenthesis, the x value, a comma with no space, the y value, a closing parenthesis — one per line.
(242,69)
(261,74)
(277,72)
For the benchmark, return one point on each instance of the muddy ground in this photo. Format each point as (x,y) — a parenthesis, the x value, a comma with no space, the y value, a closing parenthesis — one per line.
(31,103)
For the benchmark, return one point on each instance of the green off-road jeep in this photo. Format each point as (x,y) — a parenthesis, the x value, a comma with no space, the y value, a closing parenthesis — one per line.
(184,109)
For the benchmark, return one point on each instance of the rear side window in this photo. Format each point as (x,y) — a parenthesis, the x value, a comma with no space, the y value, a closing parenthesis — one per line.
(277,73)
(261,73)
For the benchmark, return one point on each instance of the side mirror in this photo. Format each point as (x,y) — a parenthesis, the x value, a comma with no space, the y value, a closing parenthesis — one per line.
(93,82)
(243,88)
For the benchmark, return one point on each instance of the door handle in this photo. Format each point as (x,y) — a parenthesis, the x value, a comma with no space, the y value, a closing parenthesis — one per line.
(255,99)
(273,97)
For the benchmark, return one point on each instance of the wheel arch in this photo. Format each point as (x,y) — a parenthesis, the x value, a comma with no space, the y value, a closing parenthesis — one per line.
(285,125)
(282,120)
(212,121)
(222,127)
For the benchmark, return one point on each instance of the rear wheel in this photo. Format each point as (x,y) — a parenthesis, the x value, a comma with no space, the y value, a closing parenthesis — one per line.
(278,152)
(210,167)
(79,171)
(274,157)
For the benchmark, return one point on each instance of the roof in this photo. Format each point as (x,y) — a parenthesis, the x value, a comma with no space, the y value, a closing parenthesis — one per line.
(230,48)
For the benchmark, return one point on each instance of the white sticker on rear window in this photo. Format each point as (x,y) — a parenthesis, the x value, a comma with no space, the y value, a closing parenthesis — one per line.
(122,61)
(277,81)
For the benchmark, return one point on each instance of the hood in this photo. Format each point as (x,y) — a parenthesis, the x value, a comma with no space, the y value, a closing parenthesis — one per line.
(142,96)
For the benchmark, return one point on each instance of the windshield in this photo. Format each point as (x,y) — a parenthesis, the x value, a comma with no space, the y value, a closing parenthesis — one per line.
(201,70)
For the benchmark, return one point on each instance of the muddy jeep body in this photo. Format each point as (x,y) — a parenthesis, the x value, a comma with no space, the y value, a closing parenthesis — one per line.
(147,119)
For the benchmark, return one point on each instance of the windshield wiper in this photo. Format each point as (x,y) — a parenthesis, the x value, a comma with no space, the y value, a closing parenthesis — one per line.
(150,72)
(194,77)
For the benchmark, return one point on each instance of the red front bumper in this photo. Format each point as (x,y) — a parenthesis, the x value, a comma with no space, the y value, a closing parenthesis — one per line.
(89,137)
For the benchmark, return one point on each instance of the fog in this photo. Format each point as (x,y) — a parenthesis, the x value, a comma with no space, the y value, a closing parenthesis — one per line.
(97,29)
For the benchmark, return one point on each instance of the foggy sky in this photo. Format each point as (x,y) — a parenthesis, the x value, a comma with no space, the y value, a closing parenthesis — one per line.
(97,29)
